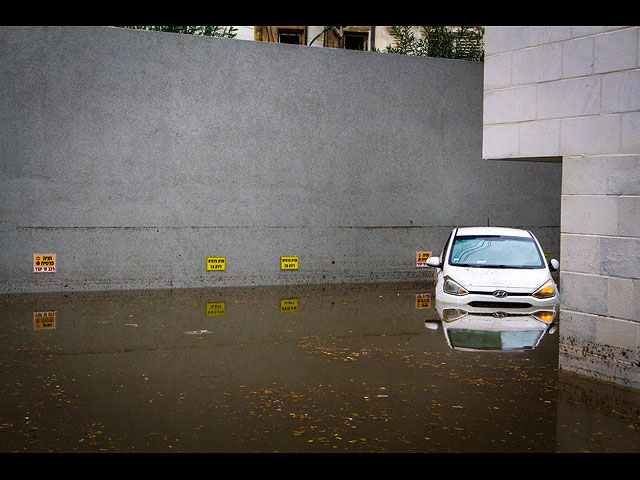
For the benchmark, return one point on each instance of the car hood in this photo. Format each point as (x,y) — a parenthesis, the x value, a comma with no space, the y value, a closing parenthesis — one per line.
(518,280)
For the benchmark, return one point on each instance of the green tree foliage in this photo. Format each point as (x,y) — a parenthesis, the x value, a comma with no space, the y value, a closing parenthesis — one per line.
(465,43)
(211,31)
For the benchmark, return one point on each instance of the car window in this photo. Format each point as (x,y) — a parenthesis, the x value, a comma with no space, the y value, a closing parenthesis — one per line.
(495,251)
(444,249)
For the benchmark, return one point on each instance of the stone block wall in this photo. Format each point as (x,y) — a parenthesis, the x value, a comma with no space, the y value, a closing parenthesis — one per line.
(573,93)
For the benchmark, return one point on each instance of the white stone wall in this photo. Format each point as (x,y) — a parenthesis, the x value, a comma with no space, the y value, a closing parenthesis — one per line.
(574,93)
(559,91)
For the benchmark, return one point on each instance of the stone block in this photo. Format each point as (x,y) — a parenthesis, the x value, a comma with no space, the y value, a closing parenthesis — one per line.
(620,298)
(629,216)
(537,64)
(623,175)
(497,71)
(601,175)
(616,50)
(618,334)
(577,325)
(569,98)
(620,257)
(589,214)
(577,57)
(510,105)
(636,300)
(503,39)
(500,141)
(582,31)
(630,135)
(540,138)
(584,293)
(539,35)
(621,92)
(590,135)
(584,175)
(580,253)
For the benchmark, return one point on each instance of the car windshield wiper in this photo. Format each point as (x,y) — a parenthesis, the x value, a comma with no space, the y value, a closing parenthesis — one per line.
(478,265)
(511,266)
(484,265)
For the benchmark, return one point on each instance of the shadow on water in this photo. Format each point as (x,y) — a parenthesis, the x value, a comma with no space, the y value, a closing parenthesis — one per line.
(333,368)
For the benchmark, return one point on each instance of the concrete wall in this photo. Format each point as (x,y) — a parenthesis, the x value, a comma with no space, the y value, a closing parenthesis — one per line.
(574,93)
(134,156)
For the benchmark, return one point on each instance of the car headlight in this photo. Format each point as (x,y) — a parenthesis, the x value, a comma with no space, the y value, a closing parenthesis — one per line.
(454,288)
(452,314)
(547,290)
(544,316)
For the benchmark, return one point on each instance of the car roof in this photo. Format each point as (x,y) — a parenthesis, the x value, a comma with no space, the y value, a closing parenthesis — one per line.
(513,232)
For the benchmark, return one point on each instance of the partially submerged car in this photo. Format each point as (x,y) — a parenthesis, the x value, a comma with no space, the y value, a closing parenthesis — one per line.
(494,267)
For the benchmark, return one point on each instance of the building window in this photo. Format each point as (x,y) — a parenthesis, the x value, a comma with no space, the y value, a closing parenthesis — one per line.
(294,37)
(355,41)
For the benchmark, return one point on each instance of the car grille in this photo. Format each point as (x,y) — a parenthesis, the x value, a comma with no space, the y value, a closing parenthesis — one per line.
(509,294)
(500,304)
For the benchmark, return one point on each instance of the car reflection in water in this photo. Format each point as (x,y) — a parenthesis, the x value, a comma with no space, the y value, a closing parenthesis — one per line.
(489,329)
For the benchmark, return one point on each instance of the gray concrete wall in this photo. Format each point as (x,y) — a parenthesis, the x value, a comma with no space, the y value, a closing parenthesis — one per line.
(574,92)
(135,155)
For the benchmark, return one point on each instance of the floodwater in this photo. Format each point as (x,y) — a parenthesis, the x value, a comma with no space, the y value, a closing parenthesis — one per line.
(333,368)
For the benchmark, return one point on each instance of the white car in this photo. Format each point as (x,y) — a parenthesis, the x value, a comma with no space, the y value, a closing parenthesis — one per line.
(494,267)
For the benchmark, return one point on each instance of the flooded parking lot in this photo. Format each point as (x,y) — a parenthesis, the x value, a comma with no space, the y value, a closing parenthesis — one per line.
(333,368)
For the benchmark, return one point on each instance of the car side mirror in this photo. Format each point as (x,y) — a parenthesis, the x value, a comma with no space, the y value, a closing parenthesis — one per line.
(434,262)
(554,265)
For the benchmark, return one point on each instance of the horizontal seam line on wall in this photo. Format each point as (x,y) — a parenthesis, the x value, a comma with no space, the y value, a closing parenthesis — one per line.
(569,118)
(624,237)
(599,315)
(597,235)
(618,195)
(169,227)
(231,227)
(562,79)
(599,275)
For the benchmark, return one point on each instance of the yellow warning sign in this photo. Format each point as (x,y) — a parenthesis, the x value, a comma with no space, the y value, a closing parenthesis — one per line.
(215,309)
(44,320)
(289,305)
(216,263)
(421,259)
(289,263)
(44,263)
(423,300)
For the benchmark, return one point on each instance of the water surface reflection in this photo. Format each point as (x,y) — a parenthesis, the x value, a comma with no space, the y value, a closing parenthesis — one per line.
(490,329)
(342,368)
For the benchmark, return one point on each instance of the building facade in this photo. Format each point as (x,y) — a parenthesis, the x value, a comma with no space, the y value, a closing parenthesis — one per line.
(572,95)
(364,38)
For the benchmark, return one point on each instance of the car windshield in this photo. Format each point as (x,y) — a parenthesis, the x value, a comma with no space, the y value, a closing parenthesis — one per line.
(495,251)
